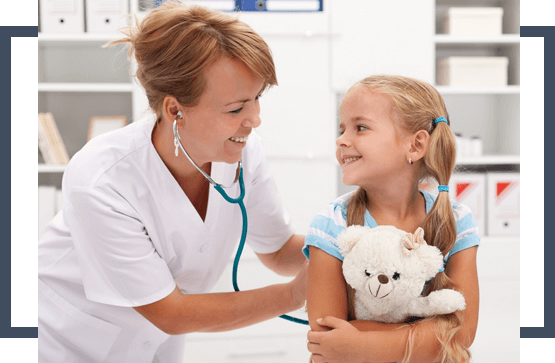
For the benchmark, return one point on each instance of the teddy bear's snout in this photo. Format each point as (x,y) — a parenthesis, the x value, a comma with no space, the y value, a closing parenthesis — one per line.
(380,286)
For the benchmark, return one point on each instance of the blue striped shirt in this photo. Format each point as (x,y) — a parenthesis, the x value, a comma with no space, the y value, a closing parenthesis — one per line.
(330,222)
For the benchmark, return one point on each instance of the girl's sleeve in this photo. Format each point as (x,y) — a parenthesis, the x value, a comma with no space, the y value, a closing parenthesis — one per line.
(467,230)
(324,230)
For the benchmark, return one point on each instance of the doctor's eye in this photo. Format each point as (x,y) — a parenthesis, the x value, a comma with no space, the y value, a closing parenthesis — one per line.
(367,273)
(239,109)
(396,276)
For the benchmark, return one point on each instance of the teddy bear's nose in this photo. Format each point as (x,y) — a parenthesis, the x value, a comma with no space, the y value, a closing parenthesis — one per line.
(383,279)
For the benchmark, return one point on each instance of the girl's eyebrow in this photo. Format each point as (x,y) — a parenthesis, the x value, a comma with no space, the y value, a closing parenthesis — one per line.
(361,118)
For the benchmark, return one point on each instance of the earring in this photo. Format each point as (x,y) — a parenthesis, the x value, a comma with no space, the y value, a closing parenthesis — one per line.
(410,160)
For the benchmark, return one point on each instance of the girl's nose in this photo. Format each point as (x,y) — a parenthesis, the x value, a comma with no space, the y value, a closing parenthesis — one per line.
(342,140)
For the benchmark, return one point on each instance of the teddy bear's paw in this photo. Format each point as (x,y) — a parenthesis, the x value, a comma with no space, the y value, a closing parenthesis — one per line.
(446,301)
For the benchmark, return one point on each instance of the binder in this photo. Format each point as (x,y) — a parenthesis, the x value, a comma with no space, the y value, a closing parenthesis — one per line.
(62,16)
(105,16)
(44,147)
(57,153)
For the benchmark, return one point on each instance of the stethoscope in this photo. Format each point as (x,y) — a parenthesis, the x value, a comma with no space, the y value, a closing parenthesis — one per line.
(238,200)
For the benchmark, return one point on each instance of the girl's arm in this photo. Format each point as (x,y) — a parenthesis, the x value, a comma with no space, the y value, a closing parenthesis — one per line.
(326,293)
(383,344)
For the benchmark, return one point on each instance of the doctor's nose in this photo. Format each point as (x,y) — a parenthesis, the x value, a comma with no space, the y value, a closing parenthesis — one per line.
(252,119)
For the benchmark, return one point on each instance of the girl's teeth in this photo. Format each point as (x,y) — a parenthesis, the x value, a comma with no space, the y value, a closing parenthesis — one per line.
(239,139)
(350,160)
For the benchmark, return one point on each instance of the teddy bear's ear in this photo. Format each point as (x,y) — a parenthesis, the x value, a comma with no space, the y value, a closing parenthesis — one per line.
(349,238)
(418,236)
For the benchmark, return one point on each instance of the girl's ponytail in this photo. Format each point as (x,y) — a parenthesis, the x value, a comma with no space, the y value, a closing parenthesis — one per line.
(440,228)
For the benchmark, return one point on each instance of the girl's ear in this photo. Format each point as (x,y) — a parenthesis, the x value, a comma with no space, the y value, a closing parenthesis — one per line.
(349,238)
(419,145)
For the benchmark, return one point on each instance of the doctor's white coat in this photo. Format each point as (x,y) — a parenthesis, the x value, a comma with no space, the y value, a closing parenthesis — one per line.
(127,235)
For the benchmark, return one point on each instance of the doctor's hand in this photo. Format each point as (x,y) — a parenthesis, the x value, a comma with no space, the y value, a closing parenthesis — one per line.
(298,287)
(341,344)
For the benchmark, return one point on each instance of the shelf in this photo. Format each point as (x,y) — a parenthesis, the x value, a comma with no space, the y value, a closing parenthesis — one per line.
(85,87)
(506,90)
(490,160)
(477,39)
(70,38)
(51,168)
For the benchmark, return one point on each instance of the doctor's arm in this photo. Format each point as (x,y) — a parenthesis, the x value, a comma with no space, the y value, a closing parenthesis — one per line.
(180,313)
(366,341)
(287,261)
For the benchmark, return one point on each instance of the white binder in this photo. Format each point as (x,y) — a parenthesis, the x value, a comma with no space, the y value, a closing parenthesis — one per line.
(106,16)
(62,16)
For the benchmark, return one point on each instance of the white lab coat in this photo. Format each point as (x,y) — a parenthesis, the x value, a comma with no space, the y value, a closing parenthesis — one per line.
(128,234)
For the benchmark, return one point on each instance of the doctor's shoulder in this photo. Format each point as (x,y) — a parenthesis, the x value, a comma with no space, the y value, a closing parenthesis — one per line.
(103,152)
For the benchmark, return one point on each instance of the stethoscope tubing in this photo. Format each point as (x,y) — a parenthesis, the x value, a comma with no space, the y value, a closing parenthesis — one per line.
(238,200)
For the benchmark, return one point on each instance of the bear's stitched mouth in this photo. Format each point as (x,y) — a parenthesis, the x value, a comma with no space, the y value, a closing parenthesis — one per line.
(378,292)
(380,286)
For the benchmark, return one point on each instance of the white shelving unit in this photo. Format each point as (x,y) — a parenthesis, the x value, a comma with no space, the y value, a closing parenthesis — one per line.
(492,113)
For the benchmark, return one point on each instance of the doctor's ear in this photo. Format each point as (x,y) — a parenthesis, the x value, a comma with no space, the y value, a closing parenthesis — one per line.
(172,109)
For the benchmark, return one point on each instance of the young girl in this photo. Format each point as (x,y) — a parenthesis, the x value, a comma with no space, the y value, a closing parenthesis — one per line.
(394,132)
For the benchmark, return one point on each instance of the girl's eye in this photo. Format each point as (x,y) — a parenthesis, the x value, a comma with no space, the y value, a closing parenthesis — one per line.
(239,109)
(361,128)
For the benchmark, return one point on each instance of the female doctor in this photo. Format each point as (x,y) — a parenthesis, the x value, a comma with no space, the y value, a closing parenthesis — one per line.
(126,267)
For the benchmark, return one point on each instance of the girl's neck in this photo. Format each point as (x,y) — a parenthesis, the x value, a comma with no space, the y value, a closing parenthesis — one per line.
(396,204)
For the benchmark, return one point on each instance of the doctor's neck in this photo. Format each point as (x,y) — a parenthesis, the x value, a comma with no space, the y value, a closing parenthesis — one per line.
(180,167)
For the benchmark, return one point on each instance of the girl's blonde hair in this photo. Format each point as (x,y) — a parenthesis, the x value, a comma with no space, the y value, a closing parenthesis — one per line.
(416,105)
(175,43)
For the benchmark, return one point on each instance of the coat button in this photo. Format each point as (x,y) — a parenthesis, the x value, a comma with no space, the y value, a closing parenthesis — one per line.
(204,247)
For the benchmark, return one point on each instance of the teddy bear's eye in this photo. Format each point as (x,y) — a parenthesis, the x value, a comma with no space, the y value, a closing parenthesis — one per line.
(396,276)
(367,273)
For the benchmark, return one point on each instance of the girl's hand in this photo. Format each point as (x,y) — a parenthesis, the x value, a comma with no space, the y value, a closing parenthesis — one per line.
(337,345)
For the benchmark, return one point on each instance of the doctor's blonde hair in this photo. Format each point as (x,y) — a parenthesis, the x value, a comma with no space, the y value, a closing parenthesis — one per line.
(416,105)
(175,43)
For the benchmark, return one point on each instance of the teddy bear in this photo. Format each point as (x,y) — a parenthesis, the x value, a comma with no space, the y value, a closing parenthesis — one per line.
(387,268)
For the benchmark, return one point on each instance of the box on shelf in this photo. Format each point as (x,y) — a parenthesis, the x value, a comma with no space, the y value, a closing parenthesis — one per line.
(473,71)
(106,16)
(470,189)
(473,21)
(503,204)
(62,16)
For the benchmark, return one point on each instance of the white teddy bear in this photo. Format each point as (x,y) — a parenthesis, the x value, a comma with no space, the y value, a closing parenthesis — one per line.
(387,268)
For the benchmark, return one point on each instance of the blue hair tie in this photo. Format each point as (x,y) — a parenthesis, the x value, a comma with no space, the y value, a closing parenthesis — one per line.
(440,119)
(443,188)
